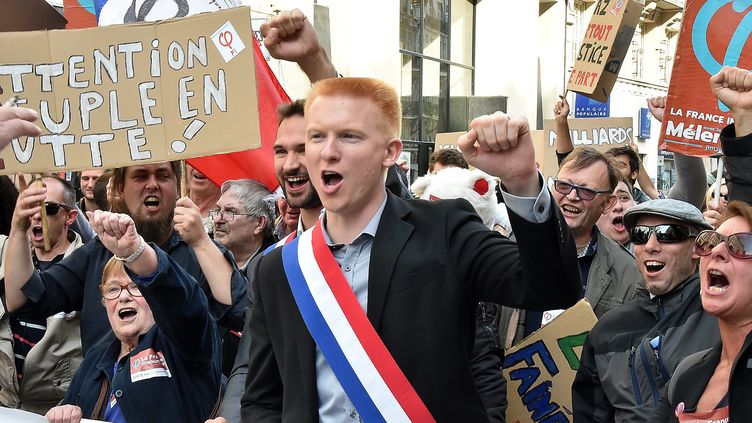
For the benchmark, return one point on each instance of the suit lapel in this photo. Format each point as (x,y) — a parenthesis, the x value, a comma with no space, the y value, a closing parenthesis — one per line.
(391,236)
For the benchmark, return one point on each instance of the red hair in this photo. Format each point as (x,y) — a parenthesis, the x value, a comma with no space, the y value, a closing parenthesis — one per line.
(379,92)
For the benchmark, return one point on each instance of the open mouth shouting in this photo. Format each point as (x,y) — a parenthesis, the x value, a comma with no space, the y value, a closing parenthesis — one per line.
(127,314)
(717,282)
(152,202)
(331,180)
(653,267)
(36,233)
(618,223)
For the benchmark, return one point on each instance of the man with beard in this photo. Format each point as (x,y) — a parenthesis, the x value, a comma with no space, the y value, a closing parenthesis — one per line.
(289,150)
(149,193)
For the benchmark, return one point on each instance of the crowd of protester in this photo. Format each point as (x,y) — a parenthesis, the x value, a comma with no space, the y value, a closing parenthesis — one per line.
(132,304)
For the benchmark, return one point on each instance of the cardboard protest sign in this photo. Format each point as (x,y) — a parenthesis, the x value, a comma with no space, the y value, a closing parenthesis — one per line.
(447,140)
(540,370)
(606,41)
(711,31)
(601,134)
(137,93)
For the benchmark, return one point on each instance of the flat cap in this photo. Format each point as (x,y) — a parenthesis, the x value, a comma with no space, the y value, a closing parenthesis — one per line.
(674,209)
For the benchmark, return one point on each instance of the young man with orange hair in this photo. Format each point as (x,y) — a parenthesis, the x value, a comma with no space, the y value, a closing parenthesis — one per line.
(401,278)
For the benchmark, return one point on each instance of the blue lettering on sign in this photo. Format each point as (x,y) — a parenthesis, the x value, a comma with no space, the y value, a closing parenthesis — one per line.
(738,40)
(537,399)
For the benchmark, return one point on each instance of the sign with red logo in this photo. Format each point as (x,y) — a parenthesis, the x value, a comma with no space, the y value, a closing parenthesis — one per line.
(713,35)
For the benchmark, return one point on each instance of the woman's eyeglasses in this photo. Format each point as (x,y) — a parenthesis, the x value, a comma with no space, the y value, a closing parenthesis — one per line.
(51,207)
(666,234)
(113,291)
(738,245)
(584,193)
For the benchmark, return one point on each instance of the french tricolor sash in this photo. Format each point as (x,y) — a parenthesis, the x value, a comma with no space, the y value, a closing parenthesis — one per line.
(281,242)
(339,326)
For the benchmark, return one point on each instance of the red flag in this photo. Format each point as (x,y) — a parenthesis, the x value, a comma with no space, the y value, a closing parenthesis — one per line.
(255,164)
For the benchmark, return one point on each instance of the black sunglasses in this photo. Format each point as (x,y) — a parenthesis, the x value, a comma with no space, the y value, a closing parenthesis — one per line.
(51,207)
(738,245)
(665,234)
(584,193)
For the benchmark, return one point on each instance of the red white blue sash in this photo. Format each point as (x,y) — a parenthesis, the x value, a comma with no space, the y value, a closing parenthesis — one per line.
(339,326)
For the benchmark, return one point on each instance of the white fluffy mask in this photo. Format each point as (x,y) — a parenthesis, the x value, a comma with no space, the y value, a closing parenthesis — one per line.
(475,186)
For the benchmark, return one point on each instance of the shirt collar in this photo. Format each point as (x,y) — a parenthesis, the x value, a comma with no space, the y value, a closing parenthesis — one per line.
(369,229)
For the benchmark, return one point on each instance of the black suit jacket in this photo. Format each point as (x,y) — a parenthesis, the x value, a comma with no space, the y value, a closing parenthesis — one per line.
(431,262)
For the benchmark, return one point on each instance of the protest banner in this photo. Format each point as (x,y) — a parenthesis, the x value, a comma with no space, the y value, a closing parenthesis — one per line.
(711,30)
(137,93)
(447,140)
(540,370)
(606,41)
(601,134)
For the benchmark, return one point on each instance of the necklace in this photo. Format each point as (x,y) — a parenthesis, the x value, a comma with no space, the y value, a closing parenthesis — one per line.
(581,252)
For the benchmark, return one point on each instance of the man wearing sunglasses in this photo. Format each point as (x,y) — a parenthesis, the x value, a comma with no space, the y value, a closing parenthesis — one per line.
(38,351)
(632,351)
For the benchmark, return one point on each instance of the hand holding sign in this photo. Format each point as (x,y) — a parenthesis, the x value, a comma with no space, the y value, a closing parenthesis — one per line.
(733,87)
(65,414)
(290,36)
(29,203)
(561,110)
(16,122)
(501,146)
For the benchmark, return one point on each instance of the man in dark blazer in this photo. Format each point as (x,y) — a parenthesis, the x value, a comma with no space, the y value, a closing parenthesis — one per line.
(419,269)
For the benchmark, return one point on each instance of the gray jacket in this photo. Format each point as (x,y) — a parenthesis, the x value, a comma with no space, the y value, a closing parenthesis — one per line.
(613,277)
(612,281)
(631,352)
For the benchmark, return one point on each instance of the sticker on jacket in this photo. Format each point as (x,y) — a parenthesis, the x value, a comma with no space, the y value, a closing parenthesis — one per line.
(148,364)
(719,415)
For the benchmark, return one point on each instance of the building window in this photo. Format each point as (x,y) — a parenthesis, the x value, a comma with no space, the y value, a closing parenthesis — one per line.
(436,44)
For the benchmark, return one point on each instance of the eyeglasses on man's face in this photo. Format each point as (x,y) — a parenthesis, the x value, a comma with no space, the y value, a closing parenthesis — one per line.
(226,215)
(584,193)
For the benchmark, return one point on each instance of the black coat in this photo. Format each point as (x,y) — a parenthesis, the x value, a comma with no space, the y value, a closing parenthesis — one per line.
(431,262)
(184,334)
